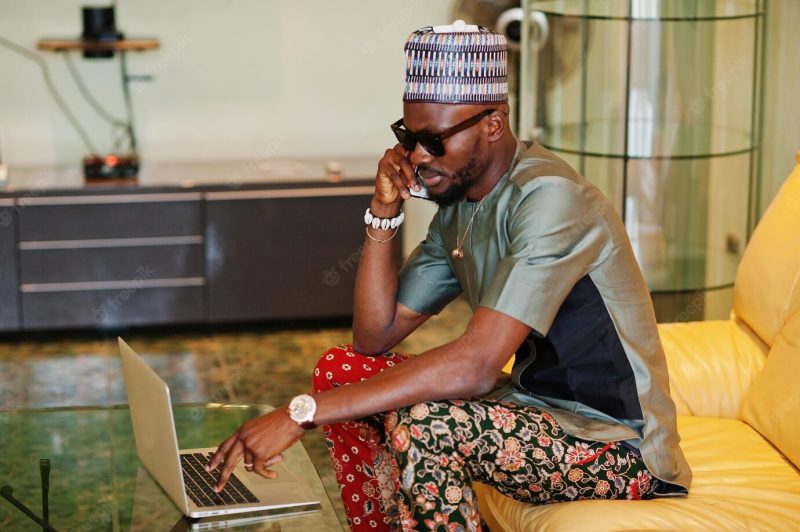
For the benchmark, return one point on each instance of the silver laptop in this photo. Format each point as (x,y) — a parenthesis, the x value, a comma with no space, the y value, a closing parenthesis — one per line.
(181,473)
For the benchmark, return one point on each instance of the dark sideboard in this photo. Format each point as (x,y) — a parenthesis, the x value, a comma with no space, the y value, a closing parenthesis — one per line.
(138,256)
(9,308)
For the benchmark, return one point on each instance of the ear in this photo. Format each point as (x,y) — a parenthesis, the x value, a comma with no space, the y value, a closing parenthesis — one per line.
(496,125)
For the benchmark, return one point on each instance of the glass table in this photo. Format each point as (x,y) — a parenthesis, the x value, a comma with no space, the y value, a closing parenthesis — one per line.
(97,481)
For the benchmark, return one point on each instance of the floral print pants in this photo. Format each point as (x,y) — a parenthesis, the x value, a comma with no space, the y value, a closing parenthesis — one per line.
(412,468)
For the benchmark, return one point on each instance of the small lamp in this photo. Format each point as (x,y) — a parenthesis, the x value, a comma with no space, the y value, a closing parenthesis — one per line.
(99,26)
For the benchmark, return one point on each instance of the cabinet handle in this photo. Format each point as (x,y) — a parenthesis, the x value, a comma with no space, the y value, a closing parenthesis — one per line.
(290,193)
(111,198)
(112,285)
(111,242)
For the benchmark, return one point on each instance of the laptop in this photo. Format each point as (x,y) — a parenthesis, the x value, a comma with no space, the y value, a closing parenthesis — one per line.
(181,472)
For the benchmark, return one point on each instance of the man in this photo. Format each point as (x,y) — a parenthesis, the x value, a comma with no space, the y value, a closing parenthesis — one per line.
(544,261)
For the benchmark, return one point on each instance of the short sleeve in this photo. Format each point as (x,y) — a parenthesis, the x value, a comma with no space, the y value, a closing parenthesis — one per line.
(556,232)
(426,281)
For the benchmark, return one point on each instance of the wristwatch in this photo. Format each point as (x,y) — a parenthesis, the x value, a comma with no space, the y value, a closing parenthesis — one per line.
(302,409)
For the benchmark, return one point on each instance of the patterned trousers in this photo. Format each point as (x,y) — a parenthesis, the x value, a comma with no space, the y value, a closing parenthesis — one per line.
(413,468)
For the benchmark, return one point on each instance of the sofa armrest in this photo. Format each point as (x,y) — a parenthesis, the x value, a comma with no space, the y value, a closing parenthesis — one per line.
(711,365)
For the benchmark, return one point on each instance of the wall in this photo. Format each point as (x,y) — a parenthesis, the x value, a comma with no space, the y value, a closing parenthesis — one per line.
(323,79)
(237,80)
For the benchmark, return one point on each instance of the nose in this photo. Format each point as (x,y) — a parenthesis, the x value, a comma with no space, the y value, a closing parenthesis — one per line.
(419,156)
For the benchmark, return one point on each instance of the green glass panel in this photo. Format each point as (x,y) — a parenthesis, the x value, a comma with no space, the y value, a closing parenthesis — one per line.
(680,102)
(648,9)
(687,220)
(607,175)
(658,109)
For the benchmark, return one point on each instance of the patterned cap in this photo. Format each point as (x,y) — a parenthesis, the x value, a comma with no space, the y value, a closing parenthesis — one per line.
(456,64)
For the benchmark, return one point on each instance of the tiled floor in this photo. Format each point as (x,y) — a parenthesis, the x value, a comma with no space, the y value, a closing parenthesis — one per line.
(250,366)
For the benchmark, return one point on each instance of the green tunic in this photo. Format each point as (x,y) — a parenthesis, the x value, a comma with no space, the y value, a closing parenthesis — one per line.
(548,249)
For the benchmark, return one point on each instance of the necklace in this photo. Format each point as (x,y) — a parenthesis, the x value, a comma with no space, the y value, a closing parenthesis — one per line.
(458,252)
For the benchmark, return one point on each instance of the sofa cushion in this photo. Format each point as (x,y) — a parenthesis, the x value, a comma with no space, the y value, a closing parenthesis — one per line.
(740,483)
(772,406)
(712,364)
(767,289)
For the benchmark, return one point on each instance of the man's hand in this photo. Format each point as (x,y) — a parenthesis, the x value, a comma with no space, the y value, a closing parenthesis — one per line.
(395,176)
(260,442)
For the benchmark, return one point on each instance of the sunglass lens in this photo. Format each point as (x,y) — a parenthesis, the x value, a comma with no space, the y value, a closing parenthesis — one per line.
(409,141)
(434,147)
(406,138)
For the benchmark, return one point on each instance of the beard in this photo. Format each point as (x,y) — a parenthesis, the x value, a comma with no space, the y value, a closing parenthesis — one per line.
(460,182)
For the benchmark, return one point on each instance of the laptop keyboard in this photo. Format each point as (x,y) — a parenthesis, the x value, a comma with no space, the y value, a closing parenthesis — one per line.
(200,484)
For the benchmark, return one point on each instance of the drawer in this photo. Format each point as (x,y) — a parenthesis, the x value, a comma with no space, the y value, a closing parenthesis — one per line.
(113,263)
(137,304)
(110,216)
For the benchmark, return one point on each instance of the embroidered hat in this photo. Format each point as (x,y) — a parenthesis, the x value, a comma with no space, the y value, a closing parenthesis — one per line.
(457,63)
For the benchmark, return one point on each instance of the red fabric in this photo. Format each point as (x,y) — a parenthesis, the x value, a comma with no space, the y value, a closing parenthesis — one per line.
(362,465)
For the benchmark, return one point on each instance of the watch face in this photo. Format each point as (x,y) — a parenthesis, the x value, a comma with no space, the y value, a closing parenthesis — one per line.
(300,408)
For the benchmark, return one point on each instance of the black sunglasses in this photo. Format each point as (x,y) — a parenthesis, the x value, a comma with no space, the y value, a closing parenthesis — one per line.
(432,142)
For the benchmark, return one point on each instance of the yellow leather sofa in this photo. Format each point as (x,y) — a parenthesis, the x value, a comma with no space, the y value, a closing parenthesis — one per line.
(736,385)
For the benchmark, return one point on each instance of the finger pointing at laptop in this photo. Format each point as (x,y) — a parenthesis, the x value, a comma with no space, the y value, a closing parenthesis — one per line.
(259,442)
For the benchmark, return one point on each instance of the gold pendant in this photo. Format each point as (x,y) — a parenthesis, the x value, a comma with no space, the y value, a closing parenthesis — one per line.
(458,253)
